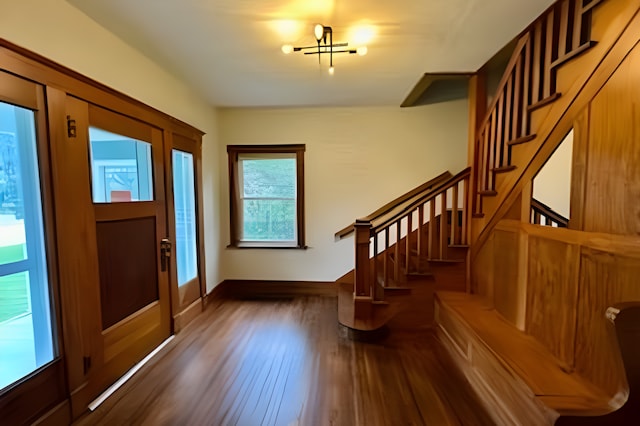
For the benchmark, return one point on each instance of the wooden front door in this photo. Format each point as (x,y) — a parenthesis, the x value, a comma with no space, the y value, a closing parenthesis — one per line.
(111,186)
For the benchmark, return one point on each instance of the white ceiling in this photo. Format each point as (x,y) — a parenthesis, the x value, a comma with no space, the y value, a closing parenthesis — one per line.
(230,50)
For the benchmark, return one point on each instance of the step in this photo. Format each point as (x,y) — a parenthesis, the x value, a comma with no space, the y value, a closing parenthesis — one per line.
(519,380)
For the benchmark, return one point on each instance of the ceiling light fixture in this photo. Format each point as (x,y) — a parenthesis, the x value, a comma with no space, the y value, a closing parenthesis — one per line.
(321,33)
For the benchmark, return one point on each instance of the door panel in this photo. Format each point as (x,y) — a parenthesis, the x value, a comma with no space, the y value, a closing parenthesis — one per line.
(128,269)
(120,296)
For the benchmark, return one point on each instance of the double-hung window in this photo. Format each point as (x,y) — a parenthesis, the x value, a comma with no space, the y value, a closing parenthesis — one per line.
(266,185)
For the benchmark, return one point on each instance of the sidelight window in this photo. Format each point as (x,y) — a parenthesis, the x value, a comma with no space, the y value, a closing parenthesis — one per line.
(26,339)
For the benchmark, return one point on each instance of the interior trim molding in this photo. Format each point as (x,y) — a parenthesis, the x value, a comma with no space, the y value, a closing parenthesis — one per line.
(249,289)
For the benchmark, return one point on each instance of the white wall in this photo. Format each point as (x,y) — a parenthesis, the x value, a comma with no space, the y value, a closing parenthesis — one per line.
(552,184)
(356,160)
(58,31)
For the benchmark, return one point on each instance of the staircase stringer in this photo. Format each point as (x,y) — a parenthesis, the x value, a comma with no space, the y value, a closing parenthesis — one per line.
(555,120)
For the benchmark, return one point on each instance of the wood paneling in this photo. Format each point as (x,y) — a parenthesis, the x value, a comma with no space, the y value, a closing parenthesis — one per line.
(552,293)
(615,27)
(482,270)
(512,371)
(506,293)
(613,176)
(128,270)
(605,279)
(579,164)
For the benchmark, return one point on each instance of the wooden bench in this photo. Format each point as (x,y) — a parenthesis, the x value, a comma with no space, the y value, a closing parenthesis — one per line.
(518,379)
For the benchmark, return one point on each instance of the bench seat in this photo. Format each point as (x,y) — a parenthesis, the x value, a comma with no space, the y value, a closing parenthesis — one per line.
(519,380)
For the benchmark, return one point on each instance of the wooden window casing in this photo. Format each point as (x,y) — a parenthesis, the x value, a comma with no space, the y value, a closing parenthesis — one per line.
(235,218)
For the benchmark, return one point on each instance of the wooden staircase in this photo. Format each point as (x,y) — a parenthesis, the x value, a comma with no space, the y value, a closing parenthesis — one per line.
(534,355)
(404,252)
(519,306)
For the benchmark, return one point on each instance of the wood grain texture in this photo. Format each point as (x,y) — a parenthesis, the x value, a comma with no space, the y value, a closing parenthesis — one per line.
(513,364)
(506,247)
(613,176)
(482,271)
(615,27)
(281,362)
(606,279)
(552,294)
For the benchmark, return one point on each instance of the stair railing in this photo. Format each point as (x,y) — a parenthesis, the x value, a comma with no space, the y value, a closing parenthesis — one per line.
(410,228)
(529,82)
(541,214)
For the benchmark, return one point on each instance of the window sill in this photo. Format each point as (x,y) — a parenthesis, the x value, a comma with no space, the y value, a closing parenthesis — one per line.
(261,245)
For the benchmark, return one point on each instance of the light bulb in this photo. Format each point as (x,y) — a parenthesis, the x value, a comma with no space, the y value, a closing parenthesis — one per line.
(287,48)
(362,50)
(331,70)
(318,31)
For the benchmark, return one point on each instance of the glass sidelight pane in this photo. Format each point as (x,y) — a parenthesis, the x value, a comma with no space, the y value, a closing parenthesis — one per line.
(184,198)
(26,340)
(121,168)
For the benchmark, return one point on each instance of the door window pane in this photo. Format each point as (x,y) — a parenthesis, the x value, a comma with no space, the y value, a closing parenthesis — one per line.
(184,198)
(26,341)
(121,168)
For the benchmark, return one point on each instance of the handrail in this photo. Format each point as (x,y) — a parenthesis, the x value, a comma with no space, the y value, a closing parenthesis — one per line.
(417,191)
(423,227)
(540,210)
(423,199)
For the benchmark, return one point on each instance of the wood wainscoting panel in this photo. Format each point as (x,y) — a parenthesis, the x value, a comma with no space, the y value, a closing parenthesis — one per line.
(605,279)
(612,203)
(482,271)
(505,272)
(552,293)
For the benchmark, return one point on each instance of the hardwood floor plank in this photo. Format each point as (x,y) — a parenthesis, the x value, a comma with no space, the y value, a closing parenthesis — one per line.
(287,362)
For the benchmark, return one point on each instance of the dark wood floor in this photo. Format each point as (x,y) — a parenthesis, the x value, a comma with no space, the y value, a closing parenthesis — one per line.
(288,362)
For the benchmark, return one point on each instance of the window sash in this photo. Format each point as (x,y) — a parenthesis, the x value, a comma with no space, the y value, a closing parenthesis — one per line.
(239,153)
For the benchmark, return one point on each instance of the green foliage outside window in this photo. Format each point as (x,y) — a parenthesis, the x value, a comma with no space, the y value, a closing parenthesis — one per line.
(269,199)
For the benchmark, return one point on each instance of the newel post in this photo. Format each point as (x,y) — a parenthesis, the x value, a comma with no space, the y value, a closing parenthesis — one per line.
(363,265)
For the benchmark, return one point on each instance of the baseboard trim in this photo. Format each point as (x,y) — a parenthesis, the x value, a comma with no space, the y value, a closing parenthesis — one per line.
(58,415)
(249,289)
(183,318)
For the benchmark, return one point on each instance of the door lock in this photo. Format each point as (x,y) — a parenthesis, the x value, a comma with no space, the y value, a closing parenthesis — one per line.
(165,253)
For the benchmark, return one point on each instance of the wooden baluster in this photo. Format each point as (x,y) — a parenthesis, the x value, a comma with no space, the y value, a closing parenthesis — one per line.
(432,229)
(378,292)
(455,238)
(465,192)
(577,37)
(526,94)
(396,263)
(563,31)
(499,134)
(517,106)
(485,162)
(385,257)
(536,66)
(549,83)
(420,237)
(492,152)
(407,257)
(362,265)
(444,237)
(506,130)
